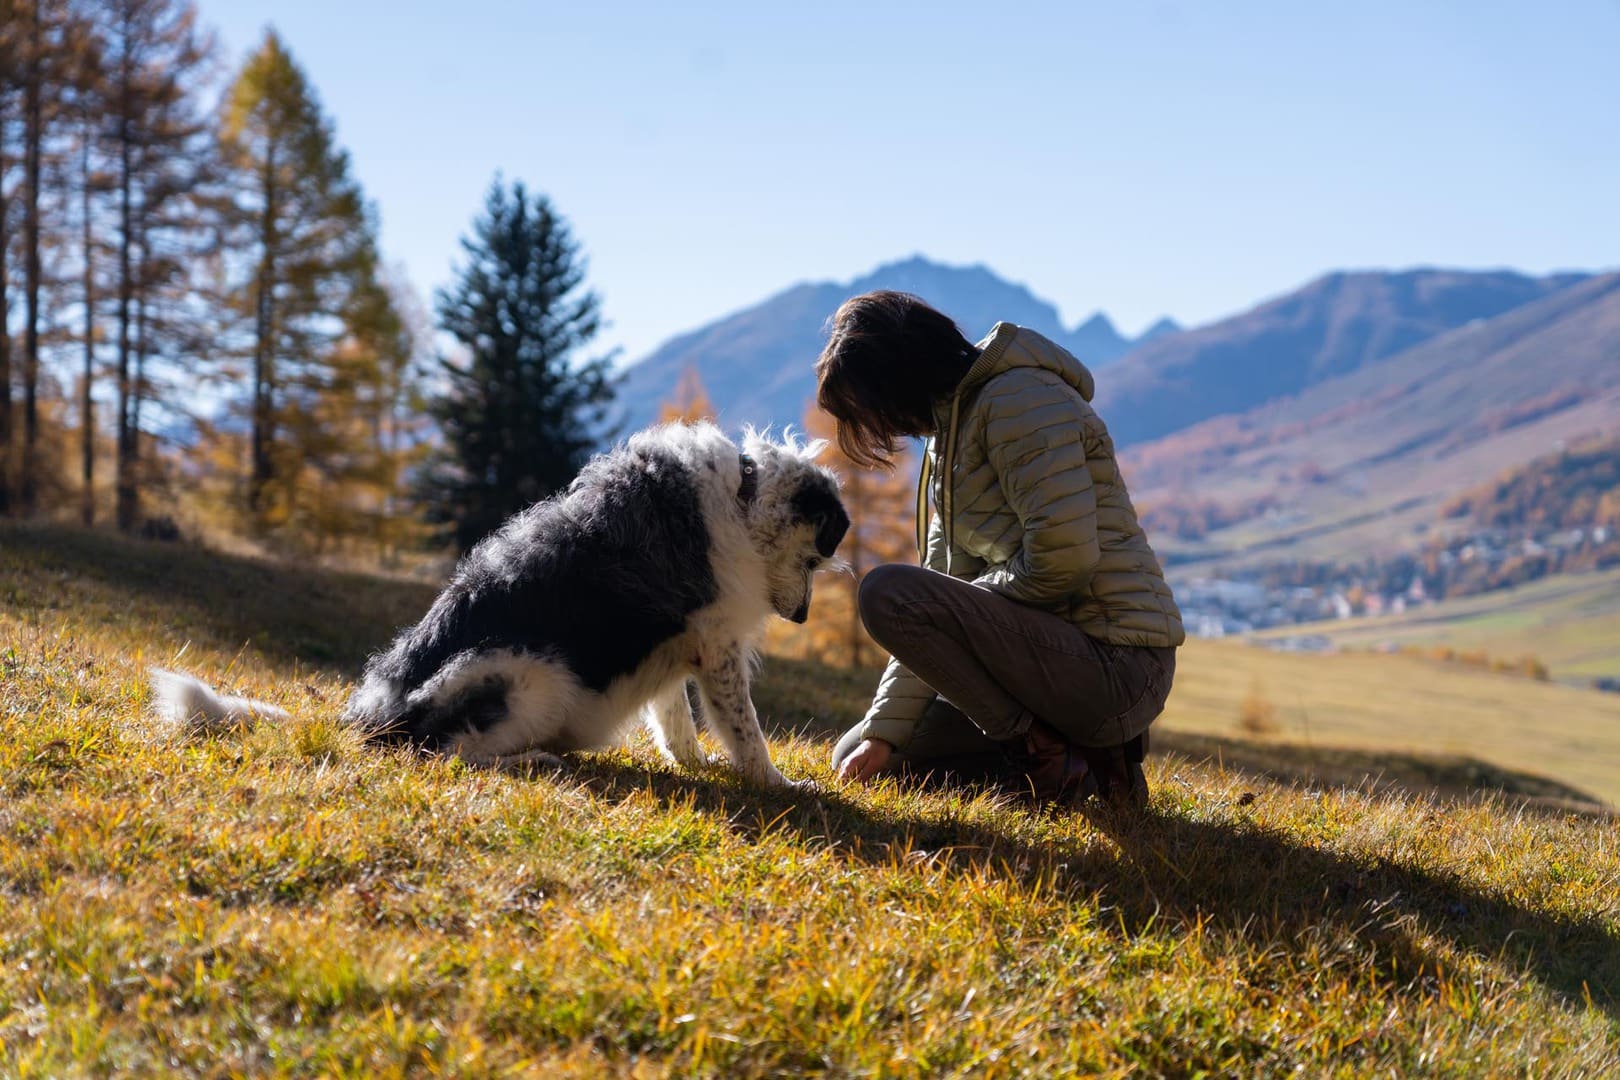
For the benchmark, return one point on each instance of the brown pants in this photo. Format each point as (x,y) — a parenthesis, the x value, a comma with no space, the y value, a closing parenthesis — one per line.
(998,666)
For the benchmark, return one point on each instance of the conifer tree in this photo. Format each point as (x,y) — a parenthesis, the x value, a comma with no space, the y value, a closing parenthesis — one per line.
(37,67)
(11,68)
(358,445)
(90,101)
(522,411)
(34,67)
(154,58)
(301,216)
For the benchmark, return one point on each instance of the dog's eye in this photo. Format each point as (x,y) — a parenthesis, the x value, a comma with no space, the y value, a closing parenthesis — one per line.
(812,562)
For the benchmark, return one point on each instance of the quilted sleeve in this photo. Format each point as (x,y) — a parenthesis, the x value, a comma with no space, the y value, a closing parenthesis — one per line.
(1035,443)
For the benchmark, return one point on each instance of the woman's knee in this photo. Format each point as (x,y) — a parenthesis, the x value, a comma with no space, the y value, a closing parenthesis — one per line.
(883,592)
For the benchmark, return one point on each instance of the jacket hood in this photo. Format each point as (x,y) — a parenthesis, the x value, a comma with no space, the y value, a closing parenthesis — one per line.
(1010,346)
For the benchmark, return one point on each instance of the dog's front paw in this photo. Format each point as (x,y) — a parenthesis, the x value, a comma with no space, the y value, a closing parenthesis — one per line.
(770,777)
(689,756)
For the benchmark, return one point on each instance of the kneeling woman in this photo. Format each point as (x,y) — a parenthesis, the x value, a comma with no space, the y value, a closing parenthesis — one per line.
(1039,633)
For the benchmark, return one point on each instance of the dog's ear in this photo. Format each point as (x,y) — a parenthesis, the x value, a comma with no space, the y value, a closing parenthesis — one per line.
(818,504)
(830,531)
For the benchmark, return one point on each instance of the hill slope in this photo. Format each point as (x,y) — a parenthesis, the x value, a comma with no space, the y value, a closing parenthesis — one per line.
(1362,460)
(1334,325)
(756,363)
(288,900)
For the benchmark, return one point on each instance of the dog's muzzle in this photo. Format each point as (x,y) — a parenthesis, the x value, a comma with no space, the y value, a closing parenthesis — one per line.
(802,615)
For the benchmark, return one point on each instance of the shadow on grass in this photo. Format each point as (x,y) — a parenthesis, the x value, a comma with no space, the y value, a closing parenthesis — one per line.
(1317,767)
(289,612)
(1236,878)
(840,696)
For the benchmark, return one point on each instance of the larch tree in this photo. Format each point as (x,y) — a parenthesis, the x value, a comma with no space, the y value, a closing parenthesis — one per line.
(308,244)
(398,424)
(881,507)
(90,101)
(691,401)
(36,22)
(36,70)
(522,410)
(155,58)
(12,46)
(367,427)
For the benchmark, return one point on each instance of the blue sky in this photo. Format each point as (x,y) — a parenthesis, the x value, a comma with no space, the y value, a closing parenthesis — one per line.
(1139,158)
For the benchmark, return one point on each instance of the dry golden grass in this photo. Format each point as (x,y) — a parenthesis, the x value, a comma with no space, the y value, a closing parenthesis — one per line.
(288,901)
(1256,714)
(1407,704)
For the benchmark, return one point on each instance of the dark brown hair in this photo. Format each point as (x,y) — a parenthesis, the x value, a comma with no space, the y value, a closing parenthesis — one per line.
(889,359)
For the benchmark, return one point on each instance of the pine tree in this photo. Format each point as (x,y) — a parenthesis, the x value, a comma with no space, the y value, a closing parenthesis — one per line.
(521,412)
(691,401)
(296,208)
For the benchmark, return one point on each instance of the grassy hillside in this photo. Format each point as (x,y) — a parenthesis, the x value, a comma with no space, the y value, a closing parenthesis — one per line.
(286,900)
(1571,622)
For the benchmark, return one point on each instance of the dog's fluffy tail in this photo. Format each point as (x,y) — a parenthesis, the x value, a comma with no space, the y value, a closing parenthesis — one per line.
(192,705)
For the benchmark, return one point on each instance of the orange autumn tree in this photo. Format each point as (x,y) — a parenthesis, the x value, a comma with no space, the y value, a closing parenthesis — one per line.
(691,401)
(880,506)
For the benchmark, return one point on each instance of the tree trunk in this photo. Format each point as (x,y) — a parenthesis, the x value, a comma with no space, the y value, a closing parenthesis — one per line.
(5,325)
(33,136)
(139,389)
(87,424)
(125,464)
(263,346)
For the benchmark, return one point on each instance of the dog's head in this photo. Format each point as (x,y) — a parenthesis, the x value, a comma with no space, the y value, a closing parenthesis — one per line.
(797,520)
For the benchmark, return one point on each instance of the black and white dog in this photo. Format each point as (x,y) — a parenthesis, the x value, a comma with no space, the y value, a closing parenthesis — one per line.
(661,562)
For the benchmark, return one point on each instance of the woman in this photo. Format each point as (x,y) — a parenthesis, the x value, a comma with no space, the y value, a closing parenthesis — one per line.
(1039,633)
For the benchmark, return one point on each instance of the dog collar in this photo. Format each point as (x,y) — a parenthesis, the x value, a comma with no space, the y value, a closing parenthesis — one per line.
(750,481)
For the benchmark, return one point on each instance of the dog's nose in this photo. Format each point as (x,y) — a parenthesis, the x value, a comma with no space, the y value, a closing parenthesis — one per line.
(803,614)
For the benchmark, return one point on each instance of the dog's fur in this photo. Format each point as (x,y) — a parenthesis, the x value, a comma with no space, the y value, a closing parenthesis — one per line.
(661,562)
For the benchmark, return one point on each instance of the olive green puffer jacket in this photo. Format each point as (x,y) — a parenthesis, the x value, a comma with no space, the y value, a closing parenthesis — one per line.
(1031,505)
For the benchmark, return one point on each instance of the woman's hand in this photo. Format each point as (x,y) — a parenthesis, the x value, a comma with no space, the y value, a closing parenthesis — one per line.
(866,762)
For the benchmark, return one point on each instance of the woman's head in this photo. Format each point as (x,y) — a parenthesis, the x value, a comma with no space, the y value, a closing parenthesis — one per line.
(889,359)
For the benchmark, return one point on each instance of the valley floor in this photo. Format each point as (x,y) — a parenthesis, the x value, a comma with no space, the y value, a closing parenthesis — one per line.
(286,900)
(1570,622)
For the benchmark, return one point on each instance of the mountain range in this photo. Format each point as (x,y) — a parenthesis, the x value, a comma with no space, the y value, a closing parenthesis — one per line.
(1327,422)
(1361,461)
(1331,326)
(756,363)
